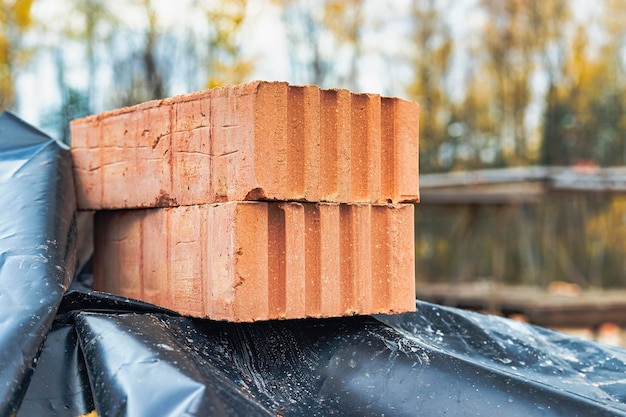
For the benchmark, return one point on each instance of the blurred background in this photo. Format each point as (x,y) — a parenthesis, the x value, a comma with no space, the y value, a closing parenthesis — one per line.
(505,87)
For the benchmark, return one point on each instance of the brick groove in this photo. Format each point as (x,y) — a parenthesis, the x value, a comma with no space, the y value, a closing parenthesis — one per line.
(262,140)
(247,261)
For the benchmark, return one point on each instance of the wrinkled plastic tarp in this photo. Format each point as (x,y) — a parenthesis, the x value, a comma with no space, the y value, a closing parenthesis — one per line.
(37,251)
(127,358)
(435,362)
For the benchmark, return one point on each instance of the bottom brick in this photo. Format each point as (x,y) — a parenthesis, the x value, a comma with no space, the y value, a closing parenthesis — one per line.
(248,261)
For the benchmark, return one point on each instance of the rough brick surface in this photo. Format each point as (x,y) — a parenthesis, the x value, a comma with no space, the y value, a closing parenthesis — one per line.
(256,141)
(247,261)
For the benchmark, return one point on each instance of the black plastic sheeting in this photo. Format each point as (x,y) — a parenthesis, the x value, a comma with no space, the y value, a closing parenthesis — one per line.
(127,358)
(37,250)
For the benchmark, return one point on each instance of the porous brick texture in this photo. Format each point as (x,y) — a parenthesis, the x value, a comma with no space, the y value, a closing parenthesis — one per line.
(248,261)
(256,141)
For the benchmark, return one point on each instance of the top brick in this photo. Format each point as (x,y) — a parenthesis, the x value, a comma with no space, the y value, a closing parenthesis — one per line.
(256,141)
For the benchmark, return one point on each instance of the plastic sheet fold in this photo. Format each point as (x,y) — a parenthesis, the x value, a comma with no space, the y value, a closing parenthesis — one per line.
(37,247)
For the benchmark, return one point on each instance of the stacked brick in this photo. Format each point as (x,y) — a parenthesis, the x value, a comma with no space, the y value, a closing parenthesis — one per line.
(254,202)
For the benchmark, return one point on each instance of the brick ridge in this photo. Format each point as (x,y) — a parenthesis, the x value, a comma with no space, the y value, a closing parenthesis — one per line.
(186,97)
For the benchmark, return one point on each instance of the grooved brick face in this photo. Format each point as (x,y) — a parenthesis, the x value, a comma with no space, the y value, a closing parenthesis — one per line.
(256,141)
(247,261)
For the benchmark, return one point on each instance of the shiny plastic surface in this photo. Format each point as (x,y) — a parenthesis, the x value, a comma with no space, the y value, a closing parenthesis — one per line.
(434,362)
(126,358)
(37,250)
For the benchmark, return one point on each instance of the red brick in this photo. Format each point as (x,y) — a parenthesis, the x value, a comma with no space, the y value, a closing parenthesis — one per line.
(248,261)
(257,141)
(400,136)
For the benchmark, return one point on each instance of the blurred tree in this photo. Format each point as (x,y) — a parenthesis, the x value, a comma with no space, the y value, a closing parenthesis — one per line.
(211,54)
(472,129)
(586,101)
(223,61)
(98,25)
(83,26)
(88,25)
(561,48)
(565,79)
(149,55)
(515,36)
(606,242)
(346,21)
(15,20)
(324,40)
(142,73)
(430,57)
(74,104)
